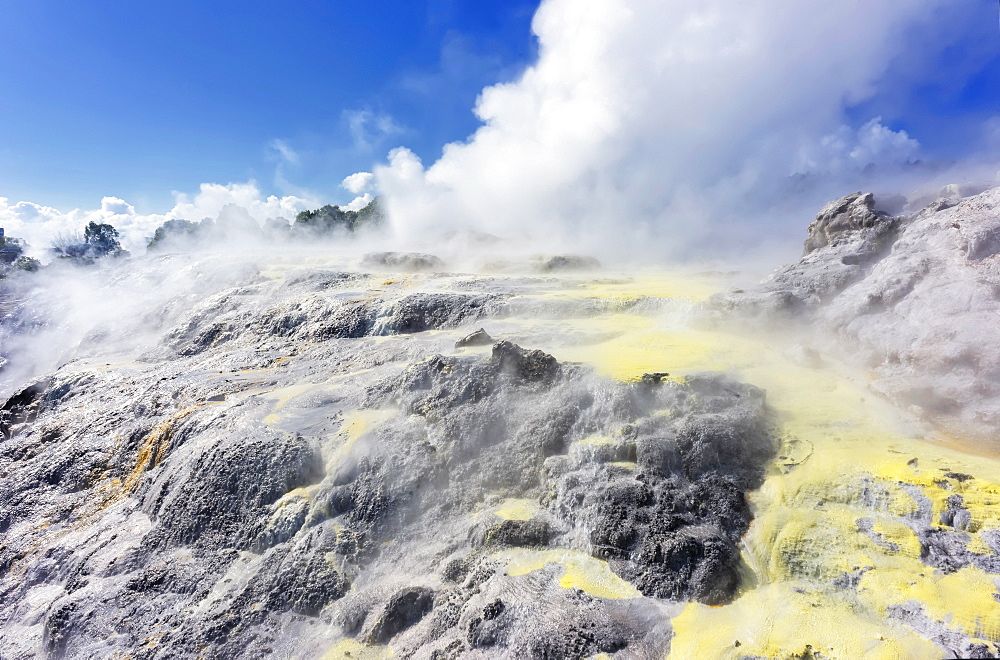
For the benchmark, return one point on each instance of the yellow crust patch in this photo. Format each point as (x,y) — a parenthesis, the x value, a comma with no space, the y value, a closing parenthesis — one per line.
(351,649)
(580,571)
(850,481)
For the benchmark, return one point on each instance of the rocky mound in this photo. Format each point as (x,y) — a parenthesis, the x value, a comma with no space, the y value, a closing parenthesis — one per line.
(282,476)
(913,300)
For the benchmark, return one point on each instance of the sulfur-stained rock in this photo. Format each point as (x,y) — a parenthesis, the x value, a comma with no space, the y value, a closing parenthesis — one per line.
(281,461)
(907,299)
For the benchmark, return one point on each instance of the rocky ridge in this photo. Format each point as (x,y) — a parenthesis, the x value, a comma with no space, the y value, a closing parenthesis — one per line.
(308,462)
(913,300)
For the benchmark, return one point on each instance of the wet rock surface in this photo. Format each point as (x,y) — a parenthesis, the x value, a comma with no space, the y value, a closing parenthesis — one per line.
(295,459)
(281,471)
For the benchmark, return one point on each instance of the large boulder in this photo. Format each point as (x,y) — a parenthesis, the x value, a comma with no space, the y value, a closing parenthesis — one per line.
(842,217)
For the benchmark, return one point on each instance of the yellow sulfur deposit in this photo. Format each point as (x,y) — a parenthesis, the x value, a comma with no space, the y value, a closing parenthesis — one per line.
(780,621)
(281,397)
(351,649)
(832,558)
(153,449)
(517,509)
(580,571)
(355,424)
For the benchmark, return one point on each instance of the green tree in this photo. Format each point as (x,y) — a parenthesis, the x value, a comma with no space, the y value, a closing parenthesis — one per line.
(102,239)
(330,219)
(174,230)
(373,214)
(28,264)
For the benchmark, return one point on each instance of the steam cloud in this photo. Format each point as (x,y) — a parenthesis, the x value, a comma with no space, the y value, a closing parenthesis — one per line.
(673,124)
(39,225)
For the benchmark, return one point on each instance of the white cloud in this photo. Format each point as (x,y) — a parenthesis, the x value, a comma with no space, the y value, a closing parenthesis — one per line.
(359,202)
(357,182)
(369,129)
(664,117)
(645,125)
(39,225)
(282,151)
(116,206)
(849,149)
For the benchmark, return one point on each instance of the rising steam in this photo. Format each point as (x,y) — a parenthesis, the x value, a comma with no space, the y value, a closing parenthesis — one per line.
(662,127)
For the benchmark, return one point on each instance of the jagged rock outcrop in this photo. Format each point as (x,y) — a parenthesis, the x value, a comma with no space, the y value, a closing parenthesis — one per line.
(567,262)
(912,300)
(845,220)
(478,338)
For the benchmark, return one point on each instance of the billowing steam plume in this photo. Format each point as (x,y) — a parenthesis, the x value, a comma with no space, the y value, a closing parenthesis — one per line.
(675,125)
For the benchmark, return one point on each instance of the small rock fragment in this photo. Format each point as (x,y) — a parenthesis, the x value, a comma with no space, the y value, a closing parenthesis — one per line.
(478,338)
(407,261)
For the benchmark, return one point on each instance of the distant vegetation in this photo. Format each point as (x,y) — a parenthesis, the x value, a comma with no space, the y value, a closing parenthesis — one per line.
(99,240)
(177,231)
(29,264)
(325,222)
(332,219)
(13,259)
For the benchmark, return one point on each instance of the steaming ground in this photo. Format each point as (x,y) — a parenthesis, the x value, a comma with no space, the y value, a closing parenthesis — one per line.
(286,454)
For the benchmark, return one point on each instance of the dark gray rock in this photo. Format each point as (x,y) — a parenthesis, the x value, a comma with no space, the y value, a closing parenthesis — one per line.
(225,320)
(319,280)
(221,496)
(531,366)
(403,610)
(518,534)
(568,262)
(230,496)
(478,338)
(421,312)
(403,261)
(21,408)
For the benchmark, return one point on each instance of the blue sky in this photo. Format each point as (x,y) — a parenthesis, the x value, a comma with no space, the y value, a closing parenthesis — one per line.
(136,99)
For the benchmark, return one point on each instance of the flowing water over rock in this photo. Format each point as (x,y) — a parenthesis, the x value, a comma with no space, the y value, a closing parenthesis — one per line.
(289,456)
